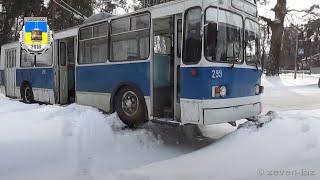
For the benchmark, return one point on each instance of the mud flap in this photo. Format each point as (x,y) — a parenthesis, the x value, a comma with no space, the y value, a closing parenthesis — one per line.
(259,121)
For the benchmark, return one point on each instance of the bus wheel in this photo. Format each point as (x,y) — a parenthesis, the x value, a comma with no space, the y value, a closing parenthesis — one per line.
(27,94)
(130,106)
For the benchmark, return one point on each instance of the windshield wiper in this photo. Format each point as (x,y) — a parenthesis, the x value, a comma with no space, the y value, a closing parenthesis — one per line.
(233,61)
(256,63)
(257,66)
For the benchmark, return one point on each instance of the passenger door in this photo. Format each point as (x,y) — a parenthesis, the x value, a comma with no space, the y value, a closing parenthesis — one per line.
(10,72)
(163,68)
(167,35)
(63,72)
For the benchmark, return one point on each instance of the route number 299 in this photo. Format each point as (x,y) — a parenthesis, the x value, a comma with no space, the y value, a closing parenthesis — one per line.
(217,74)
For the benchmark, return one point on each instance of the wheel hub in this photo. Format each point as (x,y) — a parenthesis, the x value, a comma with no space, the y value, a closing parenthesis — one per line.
(28,94)
(130,103)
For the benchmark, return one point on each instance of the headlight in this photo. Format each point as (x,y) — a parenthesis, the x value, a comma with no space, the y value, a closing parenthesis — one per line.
(223,91)
(219,91)
(257,89)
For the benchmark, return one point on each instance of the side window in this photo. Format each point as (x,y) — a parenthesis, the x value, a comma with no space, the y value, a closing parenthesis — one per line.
(70,52)
(120,25)
(45,59)
(130,38)
(7,59)
(252,42)
(10,58)
(27,60)
(14,58)
(86,33)
(162,36)
(179,37)
(192,36)
(93,44)
(62,54)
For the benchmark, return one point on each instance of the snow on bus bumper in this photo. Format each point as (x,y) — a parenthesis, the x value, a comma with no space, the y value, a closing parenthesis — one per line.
(216,111)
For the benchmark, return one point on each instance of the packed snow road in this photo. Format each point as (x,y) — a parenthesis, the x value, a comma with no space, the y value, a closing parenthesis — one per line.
(77,142)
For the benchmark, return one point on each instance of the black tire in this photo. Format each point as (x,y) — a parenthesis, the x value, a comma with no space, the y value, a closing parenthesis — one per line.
(319,83)
(27,94)
(130,106)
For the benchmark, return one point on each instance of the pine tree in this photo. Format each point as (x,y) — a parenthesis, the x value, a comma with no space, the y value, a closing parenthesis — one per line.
(16,10)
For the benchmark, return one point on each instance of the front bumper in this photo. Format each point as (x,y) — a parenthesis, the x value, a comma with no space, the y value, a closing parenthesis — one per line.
(230,114)
(216,111)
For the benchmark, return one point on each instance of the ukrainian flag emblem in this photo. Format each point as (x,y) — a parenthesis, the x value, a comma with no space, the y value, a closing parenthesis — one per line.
(36,36)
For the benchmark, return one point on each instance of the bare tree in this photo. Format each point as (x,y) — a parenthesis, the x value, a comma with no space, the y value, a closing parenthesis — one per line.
(277,28)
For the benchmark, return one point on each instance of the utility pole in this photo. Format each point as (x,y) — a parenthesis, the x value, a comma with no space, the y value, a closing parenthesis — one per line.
(296,56)
(297,50)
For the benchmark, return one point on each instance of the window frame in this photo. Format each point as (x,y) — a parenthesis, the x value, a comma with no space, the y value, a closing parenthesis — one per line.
(107,36)
(139,15)
(248,13)
(21,64)
(86,27)
(131,31)
(242,36)
(250,63)
(184,36)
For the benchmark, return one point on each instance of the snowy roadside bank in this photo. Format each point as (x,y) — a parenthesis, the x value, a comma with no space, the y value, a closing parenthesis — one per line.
(279,150)
(286,93)
(72,142)
(76,142)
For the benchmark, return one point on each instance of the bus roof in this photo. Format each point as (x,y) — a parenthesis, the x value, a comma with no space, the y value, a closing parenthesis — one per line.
(97,17)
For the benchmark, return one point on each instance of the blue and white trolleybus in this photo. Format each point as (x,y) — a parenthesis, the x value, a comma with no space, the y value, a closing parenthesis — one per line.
(181,62)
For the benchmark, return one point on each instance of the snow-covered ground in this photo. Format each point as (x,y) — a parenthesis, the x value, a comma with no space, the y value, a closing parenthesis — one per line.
(78,142)
(287,93)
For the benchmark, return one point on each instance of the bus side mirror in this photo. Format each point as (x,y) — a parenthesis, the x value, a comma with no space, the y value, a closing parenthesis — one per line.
(211,40)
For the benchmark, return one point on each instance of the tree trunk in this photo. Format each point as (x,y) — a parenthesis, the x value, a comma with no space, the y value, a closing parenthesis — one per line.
(277,28)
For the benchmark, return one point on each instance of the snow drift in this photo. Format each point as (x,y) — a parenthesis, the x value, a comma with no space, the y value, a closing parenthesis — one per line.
(291,143)
(76,142)
(73,142)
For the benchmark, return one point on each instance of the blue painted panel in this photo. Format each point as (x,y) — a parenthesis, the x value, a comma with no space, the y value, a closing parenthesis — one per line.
(2,78)
(240,82)
(39,78)
(105,78)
